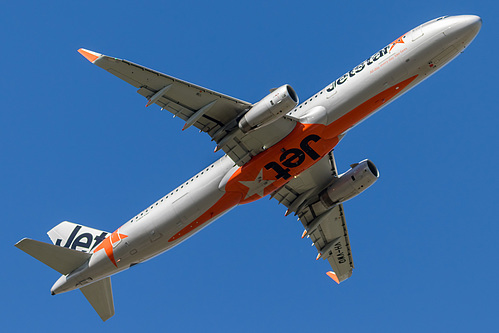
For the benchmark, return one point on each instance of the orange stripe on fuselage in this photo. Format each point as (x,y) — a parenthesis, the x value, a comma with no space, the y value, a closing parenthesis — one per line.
(227,201)
(236,191)
(365,109)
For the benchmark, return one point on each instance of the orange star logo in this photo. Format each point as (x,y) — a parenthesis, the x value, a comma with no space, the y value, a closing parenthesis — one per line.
(399,40)
(107,244)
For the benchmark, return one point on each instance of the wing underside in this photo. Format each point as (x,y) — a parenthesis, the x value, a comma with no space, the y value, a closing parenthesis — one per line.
(211,112)
(326,228)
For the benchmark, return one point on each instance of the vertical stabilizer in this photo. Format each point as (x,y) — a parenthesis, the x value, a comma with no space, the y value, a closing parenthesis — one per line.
(100,296)
(76,236)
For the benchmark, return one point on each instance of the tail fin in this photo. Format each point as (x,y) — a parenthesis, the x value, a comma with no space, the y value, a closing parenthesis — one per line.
(63,260)
(100,296)
(59,258)
(76,237)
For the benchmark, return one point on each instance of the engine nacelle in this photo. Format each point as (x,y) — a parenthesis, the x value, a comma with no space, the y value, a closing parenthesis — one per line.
(275,105)
(350,184)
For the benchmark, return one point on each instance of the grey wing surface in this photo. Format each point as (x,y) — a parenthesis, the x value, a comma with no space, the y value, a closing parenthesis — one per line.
(326,228)
(209,111)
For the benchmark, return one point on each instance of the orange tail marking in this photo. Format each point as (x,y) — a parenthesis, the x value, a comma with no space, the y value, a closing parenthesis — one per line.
(107,245)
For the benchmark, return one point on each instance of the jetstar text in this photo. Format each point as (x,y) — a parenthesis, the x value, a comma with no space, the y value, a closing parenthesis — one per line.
(371,60)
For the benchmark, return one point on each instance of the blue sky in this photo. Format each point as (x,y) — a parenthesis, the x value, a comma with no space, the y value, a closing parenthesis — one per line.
(77,144)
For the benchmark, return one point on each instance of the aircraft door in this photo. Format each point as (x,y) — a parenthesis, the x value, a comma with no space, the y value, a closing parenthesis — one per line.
(185,209)
(417,33)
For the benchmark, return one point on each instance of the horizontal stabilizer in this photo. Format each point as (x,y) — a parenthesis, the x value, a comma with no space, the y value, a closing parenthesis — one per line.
(59,258)
(100,296)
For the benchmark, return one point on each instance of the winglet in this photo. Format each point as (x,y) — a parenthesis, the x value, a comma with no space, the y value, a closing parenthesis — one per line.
(90,55)
(333,276)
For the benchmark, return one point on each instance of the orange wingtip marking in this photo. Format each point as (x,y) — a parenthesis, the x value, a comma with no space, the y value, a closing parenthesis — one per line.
(304,234)
(333,276)
(318,256)
(90,56)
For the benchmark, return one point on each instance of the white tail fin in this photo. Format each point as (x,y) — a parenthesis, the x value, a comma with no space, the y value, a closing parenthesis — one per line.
(100,295)
(76,237)
(63,260)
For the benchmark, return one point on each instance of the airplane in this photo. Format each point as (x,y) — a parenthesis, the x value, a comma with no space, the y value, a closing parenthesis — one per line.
(276,147)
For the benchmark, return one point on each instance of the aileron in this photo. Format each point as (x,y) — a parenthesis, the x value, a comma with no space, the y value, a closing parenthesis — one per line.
(326,228)
(207,110)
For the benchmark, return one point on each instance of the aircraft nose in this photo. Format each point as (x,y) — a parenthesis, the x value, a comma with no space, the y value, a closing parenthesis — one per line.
(464,28)
(472,23)
(469,25)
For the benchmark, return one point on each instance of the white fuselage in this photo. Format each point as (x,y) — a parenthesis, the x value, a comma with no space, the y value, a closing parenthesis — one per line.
(350,99)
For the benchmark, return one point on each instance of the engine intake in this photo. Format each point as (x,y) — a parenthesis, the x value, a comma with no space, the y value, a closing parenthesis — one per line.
(272,107)
(350,184)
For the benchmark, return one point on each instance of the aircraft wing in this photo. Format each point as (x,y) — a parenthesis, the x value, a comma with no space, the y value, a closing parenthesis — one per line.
(326,228)
(207,110)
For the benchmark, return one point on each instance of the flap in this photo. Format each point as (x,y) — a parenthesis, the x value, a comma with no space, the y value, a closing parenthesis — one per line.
(326,228)
(209,111)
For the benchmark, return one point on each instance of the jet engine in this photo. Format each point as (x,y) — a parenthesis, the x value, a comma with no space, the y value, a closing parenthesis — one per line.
(350,184)
(272,107)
